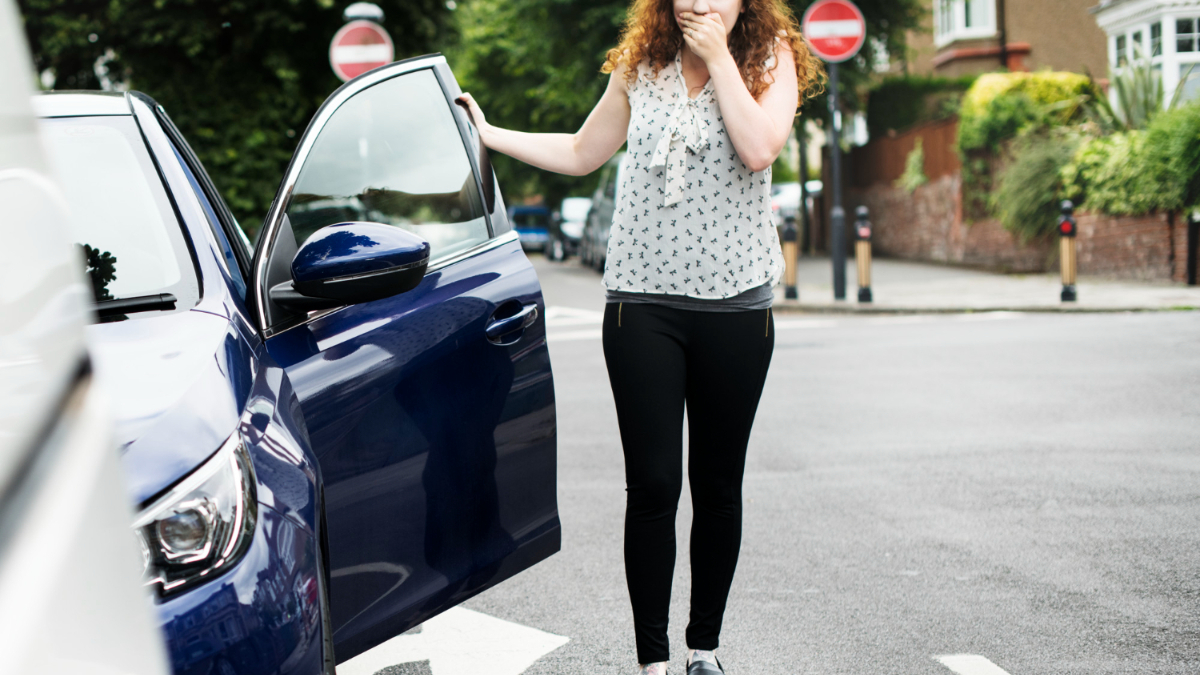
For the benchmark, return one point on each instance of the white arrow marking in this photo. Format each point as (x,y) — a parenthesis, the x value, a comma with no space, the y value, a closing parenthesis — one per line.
(970,664)
(362,54)
(461,642)
(834,29)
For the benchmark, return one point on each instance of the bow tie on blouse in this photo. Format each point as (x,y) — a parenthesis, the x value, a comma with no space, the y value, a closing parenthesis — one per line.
(683,131)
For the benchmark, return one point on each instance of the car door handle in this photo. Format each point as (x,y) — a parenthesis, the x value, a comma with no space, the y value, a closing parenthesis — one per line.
(499,328)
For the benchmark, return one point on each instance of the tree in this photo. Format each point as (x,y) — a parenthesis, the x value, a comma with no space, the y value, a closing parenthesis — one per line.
(241,78)
(534,65)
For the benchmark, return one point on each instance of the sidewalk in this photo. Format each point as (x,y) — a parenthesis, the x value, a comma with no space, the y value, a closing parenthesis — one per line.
(901,286)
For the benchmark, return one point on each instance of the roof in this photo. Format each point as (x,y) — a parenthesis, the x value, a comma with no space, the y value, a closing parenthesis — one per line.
(80,103)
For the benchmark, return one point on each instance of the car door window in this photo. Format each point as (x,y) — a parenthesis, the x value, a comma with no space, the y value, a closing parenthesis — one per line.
(227,252)
(393,154)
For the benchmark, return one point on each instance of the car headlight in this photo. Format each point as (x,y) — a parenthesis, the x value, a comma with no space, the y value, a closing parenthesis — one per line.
(203,524)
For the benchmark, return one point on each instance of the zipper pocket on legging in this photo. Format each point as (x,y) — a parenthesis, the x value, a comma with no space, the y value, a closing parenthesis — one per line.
(620,306)
(768,333)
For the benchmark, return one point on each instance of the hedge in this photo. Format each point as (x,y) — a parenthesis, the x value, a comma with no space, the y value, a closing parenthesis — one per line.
(898,103)
(1000,105)
(1137,172)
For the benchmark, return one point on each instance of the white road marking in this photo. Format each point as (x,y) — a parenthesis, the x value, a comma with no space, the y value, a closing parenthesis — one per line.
(460,641)
(570,316)
(970,664)
(573,335)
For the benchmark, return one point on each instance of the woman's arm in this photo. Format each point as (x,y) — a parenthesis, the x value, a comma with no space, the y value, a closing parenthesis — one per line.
(576,154)
(757,129)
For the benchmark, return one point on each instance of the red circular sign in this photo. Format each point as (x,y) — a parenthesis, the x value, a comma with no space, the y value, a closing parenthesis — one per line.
(358,47)
(835,29)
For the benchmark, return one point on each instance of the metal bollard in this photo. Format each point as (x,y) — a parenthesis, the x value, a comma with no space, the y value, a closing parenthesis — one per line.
(862,253)
(789,259)
(1067,257)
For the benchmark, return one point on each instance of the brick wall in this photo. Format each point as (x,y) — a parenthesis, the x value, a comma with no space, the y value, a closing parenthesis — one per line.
(1131,247)
(928,225)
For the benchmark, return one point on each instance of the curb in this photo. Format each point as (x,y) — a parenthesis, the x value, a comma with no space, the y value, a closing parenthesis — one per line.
(787,307)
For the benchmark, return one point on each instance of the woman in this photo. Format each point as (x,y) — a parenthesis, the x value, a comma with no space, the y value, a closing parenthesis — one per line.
(704,92)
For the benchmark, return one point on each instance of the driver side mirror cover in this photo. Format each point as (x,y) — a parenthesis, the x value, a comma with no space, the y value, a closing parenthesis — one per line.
(359,262)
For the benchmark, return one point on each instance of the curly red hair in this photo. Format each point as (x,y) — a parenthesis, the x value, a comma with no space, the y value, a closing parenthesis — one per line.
(651,35)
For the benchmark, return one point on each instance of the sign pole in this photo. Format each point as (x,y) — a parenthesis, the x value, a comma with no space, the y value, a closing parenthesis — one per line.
(835,31)
(837,215)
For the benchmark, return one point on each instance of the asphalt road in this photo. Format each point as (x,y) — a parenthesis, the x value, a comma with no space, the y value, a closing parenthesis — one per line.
(1021,487)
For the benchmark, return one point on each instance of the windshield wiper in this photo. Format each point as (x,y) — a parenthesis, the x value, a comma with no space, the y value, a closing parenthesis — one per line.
(138,303)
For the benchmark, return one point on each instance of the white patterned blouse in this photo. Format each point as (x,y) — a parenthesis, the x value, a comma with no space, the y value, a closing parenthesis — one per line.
(690,219)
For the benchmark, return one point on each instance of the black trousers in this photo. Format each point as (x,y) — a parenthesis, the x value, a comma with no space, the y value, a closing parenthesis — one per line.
(659,358)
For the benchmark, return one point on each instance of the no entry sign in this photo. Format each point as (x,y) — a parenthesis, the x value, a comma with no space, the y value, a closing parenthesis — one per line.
(358,47)
(835,29)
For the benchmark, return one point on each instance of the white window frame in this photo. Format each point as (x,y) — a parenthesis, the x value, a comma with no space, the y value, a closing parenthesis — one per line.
(1170,63)
(950,18)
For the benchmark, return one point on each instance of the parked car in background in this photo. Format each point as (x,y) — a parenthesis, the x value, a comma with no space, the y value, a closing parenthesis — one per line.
(532,224)
(338,433)
(566,227)
(785,200)
(70,597)
(594,243)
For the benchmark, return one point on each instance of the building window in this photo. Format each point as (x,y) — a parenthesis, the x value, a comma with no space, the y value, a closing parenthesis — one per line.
(1138,49)
(1156,39)
(1120,51)
(1185,35)
(963,20)
(1189,74)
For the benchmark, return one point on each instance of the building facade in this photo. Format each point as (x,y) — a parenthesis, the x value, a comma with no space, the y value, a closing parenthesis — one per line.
(1165,31)
(974,36)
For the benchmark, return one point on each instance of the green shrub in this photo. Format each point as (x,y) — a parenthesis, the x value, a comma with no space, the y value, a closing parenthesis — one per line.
(1028,192)
(898,103)
(1000,105)
(914,169)
(1006,117)
(1173,156)
(1138,172)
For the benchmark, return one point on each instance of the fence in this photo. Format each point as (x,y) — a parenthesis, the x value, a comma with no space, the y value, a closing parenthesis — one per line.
(883,159)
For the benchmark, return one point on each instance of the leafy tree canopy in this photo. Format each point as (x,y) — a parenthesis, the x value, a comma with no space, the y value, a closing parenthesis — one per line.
(241,78)
(534,65)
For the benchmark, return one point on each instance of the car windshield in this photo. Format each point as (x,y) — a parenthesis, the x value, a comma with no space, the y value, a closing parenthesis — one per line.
(122,218)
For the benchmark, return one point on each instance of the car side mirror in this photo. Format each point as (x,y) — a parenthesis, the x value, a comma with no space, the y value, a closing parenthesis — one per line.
(349,263)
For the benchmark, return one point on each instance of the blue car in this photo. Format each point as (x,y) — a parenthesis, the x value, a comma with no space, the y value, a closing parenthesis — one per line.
(532,224)
(341,431)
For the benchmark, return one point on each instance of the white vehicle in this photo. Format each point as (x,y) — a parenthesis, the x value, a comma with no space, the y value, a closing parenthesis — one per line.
(71,599)
(567,228)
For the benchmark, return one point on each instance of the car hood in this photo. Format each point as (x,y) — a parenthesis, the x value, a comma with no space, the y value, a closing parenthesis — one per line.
(176,386)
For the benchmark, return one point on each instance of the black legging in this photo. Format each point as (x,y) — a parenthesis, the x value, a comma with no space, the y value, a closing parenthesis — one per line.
(658,358)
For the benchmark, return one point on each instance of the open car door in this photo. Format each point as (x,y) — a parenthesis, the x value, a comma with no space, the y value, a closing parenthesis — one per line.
(432,411)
